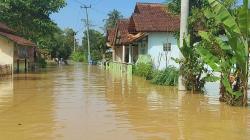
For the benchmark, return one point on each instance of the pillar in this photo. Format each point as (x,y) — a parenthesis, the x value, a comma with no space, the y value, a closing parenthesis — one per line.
(123,53)
(25,64)
(130,55)
(17,70)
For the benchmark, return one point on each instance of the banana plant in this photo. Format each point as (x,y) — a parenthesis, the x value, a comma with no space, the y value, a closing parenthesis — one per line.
(234,51)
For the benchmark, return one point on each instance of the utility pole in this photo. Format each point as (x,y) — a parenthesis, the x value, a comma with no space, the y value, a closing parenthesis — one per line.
(75,33)
(74,41)
(87,24)
(183,32)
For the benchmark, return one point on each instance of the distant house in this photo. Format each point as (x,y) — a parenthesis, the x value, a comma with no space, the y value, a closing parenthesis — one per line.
(14,50)
(149,31)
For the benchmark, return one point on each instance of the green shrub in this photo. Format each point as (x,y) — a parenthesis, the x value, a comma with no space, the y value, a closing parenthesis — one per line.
(78,57)
(144,70)
(167,77)
(144,67)
(41,62)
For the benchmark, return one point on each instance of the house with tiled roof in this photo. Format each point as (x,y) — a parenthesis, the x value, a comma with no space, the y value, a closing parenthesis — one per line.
(14,50)
(149,31)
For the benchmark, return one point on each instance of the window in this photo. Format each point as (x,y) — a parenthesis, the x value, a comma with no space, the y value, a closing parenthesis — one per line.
(167,47)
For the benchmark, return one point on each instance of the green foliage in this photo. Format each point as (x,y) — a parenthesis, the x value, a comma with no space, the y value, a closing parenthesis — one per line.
(192,67)
(175,5)
(233,54)
(167,77)
(144,67)
(97,45)
(144,70)
(30,18)
(78,57)
(113,16)
(41,63)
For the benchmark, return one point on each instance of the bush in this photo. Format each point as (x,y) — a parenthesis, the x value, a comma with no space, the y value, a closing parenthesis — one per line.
(144,70)
(167,77)
(41,62)
(78,57)
(144,67)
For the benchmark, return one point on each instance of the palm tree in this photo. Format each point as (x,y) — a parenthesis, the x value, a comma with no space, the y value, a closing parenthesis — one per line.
(113,16)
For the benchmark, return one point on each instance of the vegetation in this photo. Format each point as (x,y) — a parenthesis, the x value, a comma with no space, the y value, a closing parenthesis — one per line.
(113,16)
(144,68)
(31,19)
(167,77)
(97,47)
(230,57)
(41,62)
(78,57)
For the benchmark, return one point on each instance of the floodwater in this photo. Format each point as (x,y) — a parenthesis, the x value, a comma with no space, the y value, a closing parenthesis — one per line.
(81,102)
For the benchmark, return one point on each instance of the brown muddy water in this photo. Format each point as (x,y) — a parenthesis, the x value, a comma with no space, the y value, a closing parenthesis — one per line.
(80,102)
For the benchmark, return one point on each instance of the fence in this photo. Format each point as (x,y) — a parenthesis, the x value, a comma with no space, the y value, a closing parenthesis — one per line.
(120,67)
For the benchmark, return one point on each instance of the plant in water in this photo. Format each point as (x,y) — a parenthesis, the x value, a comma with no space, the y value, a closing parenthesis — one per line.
(167,77)
(144,67)
(230,57)
(192,67)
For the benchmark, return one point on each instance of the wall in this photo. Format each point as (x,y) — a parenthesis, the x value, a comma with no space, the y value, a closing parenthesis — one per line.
(6,51)
(155,49)
(118,54)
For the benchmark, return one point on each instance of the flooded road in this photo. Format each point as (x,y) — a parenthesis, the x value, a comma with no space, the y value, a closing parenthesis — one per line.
(87,103)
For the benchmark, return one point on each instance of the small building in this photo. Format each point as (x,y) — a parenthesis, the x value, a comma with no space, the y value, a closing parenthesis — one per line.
(150,31)
(14,51)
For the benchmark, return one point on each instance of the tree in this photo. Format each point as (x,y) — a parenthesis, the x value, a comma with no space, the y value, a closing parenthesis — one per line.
(31,18)
(98,46)
(233,55)
(113,16)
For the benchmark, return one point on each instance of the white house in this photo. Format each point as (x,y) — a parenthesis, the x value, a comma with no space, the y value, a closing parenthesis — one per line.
(149,31)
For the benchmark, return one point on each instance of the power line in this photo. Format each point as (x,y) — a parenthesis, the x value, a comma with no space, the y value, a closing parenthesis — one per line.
(87,24)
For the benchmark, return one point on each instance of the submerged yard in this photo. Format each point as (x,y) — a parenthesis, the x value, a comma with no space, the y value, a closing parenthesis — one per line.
(86,102)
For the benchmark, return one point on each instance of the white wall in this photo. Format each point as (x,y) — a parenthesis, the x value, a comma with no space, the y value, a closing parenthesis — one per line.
(155,49)
(6,51)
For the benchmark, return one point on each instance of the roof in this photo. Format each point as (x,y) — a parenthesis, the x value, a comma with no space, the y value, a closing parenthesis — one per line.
(154,17)
(122,30)
(18,40)
(110,35)
(5,28)
(9,33)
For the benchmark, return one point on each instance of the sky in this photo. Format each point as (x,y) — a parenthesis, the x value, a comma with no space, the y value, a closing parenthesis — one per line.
(71,16)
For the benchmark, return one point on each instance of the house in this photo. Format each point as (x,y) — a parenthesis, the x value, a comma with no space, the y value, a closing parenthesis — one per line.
(14,50)
(149,31)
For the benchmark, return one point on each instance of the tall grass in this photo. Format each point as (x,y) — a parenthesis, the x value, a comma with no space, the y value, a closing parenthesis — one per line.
(167,77)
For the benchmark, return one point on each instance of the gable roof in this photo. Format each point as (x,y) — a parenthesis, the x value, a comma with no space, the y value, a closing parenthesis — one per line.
(122,31)
(9,33)
(17,39)
(153,17)
(110,36)
(5,28)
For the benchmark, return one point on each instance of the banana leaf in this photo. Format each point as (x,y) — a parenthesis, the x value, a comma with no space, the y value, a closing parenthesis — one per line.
(222,15)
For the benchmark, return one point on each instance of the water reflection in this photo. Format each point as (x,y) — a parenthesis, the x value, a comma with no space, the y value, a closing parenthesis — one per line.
(6,93)
(162,113)
(86,102)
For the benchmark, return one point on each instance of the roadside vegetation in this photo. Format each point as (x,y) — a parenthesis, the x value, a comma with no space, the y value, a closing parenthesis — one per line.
(144,68)
(218,36)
